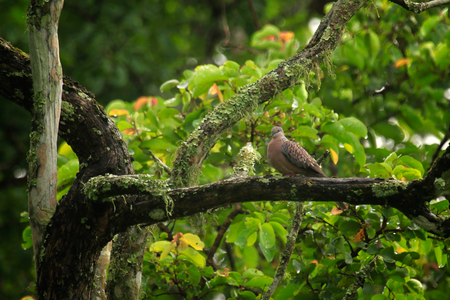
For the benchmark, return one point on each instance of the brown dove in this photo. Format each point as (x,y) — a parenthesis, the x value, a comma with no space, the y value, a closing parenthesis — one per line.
(289,158)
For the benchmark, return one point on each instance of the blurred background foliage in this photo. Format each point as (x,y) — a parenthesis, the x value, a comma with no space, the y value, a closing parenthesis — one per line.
(383,104)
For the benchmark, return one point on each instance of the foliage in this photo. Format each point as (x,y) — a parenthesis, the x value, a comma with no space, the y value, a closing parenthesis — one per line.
(332,247)
(380,116)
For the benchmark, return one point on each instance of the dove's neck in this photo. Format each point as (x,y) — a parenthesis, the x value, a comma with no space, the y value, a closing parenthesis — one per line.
(278,136)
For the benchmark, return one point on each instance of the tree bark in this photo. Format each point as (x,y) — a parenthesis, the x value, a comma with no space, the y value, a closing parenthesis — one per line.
(47,86)
(409,198)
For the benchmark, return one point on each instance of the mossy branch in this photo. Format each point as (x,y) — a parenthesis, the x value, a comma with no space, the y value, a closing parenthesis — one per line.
(287,252)
(418,7)
(361,277)
(192,153)
(409,198)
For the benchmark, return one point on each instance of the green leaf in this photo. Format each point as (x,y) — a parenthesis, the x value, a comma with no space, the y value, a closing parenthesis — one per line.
(188,121)
(391,158)
(439,205)
(349,226)
(122,125)
(280,231)
(336,129)
(289,290)
(268,253)
(260,217)
(353,56)
(266,31)
(251,256)
(217,281)
(255,72)
(260,282)
(151,115)
(301,92)
(305,131)
(208,271)
(267,236)
(374,42)
(234,278)
(430,24)
(67,173)
(115,104)
(308,269)
(379,297)
(252,272)
(412,117)
(167,113)
(379,170)
(438,255)
(243,236)
(247,295)
(26,236)
(235,230)
(415,286)
(159,143)
(205,75)
(274,64)
(388,130)
(358,149)
(194,275)
(194,256)
(355,126)
(411,162)
(168,85)
(312,110)
(232,65)
(388,255)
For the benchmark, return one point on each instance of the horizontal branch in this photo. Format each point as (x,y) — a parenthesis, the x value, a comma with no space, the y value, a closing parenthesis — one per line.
(418,7)
(152,206)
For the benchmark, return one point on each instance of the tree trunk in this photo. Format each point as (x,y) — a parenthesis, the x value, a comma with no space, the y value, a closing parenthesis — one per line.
(47,85)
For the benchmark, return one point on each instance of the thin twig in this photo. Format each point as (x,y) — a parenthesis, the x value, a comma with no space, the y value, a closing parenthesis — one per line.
(254,14)
(361,277)
(287,252)
(438,149)
(323,157)
(160,163)
(335,228)
(165,229)
(223,229)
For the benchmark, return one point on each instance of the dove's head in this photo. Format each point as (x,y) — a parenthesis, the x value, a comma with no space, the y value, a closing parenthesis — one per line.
(277,130)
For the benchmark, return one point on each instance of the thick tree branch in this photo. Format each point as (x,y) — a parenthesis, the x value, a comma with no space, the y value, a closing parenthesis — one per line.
(100,149)
(149,208)
(418,7)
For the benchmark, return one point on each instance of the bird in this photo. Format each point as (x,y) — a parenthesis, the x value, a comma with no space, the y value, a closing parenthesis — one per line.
(289,158)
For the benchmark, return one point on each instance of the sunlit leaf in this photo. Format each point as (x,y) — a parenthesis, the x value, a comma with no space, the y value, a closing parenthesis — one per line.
(118,112)
(402,62)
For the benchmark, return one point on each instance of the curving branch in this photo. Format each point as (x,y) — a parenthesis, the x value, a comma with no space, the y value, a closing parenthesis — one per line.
(418,7)
(100,148)
(196,149)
